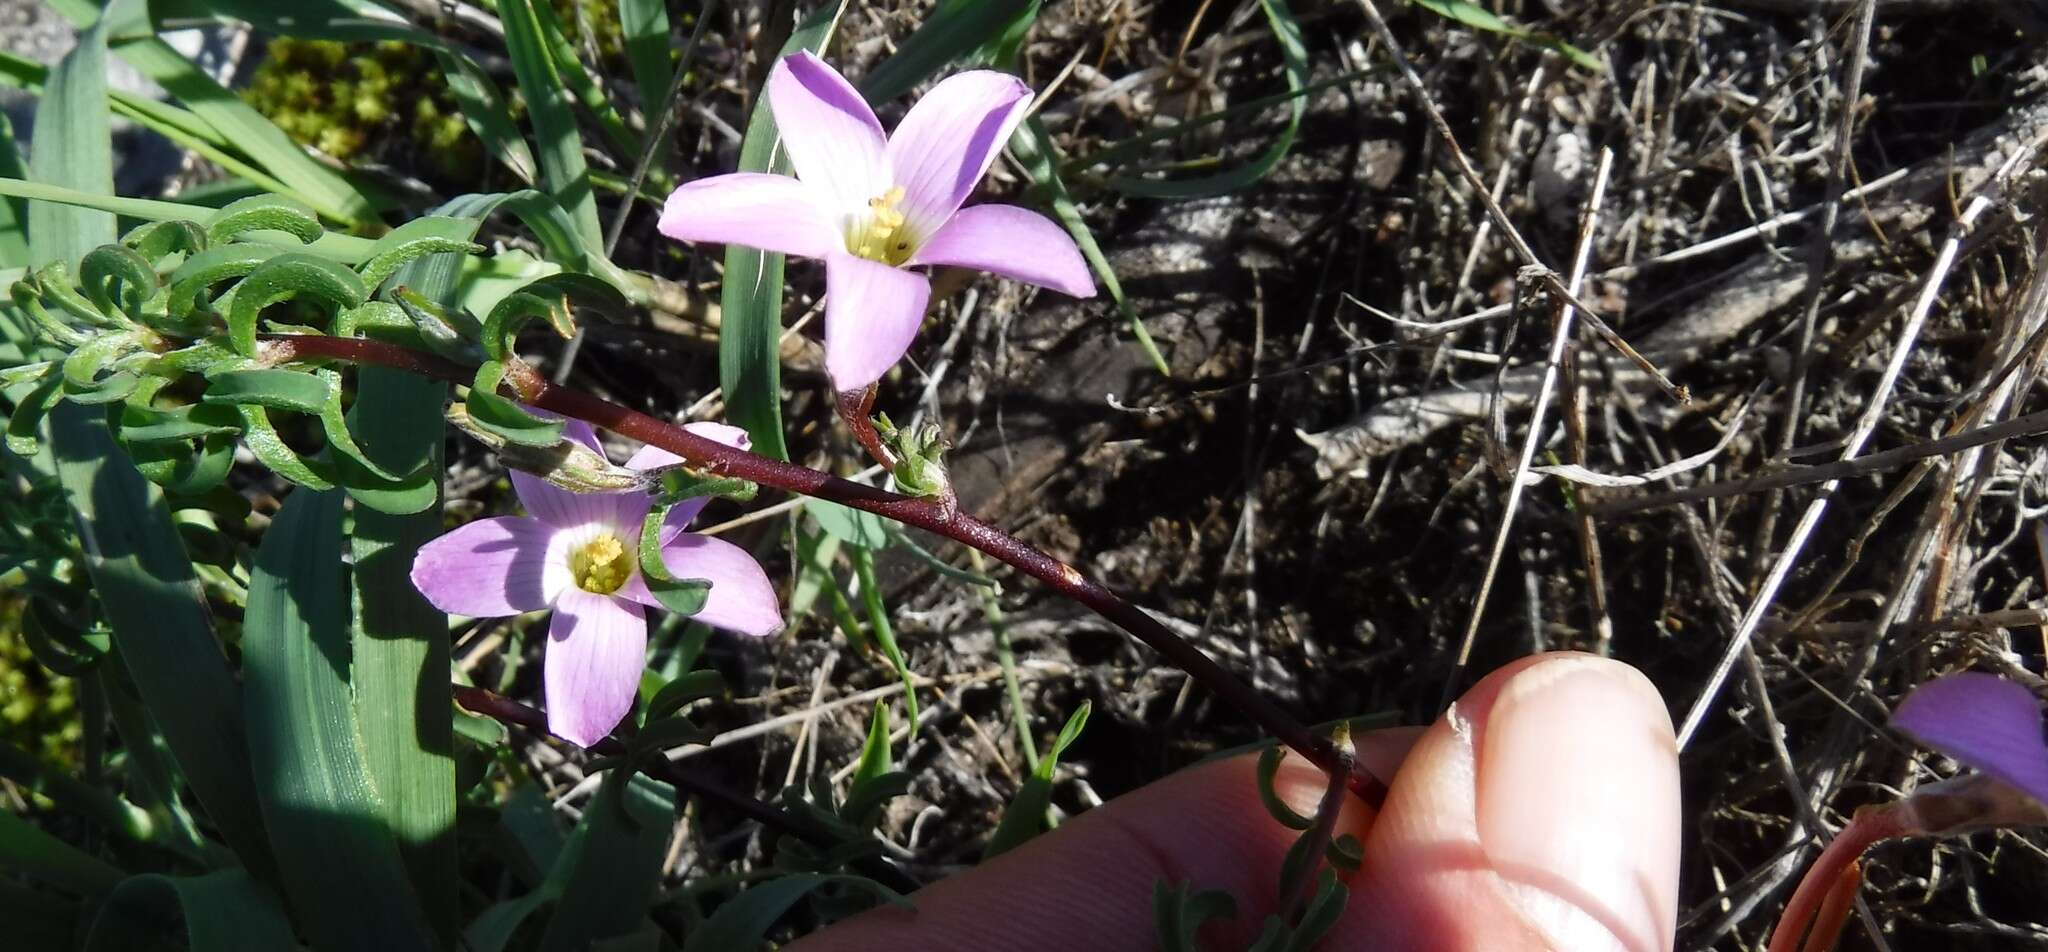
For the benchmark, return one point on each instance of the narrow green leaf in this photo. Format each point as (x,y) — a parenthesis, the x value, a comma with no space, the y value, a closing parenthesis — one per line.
(884,632)
(750,337)
(743,923)
(69,793)
(955,29)
(13,211)
(614,862)
(28,851)
(687,687)
(568,67)
(1294,57)
(226,911)
(547,104)
(875,758)
(644,26)
(74,149)
(1033,148)
(1025,817)
(341,863)
(851,526)
(401,640)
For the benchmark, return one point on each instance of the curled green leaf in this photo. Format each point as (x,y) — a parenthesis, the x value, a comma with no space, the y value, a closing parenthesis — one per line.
(157,240)
(263,213)
(282,278)
(116,278)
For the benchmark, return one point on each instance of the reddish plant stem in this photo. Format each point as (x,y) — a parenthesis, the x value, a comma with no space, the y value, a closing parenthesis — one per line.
(511,713)
(523,384)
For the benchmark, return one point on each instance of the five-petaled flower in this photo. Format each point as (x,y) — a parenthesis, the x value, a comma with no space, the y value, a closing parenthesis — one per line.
(1984,721)
(875,206)
(579,552)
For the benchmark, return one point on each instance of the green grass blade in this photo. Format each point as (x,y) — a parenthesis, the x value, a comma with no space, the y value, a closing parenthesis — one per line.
(955,29)
(1032,146)
(400,640)
(347,249)
(73,149)
(749,339)
(225,911)
(644,25)
(340,863)
(562,170)
(13,211)
(235,121)
(30,852)
(615,862)
(1294,56)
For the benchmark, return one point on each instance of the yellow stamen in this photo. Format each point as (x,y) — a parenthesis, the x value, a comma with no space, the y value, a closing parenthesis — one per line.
(883,239)
(601,565)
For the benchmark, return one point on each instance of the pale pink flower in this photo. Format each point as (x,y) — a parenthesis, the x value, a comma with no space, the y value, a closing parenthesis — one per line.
(875,206)
(579,554)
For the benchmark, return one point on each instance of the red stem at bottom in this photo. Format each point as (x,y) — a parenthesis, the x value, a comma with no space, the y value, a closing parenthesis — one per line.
(523,384)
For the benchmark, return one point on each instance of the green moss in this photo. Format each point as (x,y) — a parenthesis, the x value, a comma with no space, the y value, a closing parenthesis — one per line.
(38,709)
(366,102)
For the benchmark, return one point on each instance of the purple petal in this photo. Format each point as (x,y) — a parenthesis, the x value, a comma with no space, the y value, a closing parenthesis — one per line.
(770,212)
(490,568)
(741,597)
(833,139)
(1984,721)
(872,312)
(1014,243)
(947,141)
(597,646)
(653,457)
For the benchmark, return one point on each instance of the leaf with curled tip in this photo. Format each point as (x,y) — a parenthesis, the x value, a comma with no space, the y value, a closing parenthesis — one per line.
(263,213)
(434,234)
(287,276)
(195,278)
(117,279)
(158,240)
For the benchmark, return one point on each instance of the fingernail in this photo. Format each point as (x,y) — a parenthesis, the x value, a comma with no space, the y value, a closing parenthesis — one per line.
(1578,804)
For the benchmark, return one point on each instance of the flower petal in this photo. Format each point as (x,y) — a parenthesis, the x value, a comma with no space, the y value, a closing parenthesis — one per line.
(872,312)
(1012,242)
(653,457)
(741,597)
(770,212)
(947,141)
(490,568)
(833,138)
(597,646)
(561,508)
(1984,721)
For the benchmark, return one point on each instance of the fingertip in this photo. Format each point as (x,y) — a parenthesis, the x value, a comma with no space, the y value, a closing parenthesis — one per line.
(1540,812)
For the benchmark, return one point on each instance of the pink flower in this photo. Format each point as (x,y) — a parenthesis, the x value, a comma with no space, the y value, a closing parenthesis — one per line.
(1983,721)
(875,206)
(579,554)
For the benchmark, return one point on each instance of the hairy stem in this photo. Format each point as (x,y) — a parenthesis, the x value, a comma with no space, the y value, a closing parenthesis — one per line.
(523,384)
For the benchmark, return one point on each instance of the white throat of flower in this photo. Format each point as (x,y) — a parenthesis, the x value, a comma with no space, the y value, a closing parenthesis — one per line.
(602,559)
(880,232)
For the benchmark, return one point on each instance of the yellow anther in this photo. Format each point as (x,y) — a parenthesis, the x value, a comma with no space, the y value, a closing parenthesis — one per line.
(884,223)
(601,566)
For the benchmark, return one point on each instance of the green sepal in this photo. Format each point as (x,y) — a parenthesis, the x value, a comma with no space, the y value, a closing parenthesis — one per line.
(677,483)
(682,596)
(503,418)
(263,213)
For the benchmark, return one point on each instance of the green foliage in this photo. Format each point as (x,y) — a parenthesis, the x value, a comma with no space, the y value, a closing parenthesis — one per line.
(38,709)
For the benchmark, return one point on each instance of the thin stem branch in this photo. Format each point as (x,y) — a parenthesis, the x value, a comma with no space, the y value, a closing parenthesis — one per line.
(722,460)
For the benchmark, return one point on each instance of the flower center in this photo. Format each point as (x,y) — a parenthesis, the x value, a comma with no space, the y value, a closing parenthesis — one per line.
(880,235)
(601,565)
